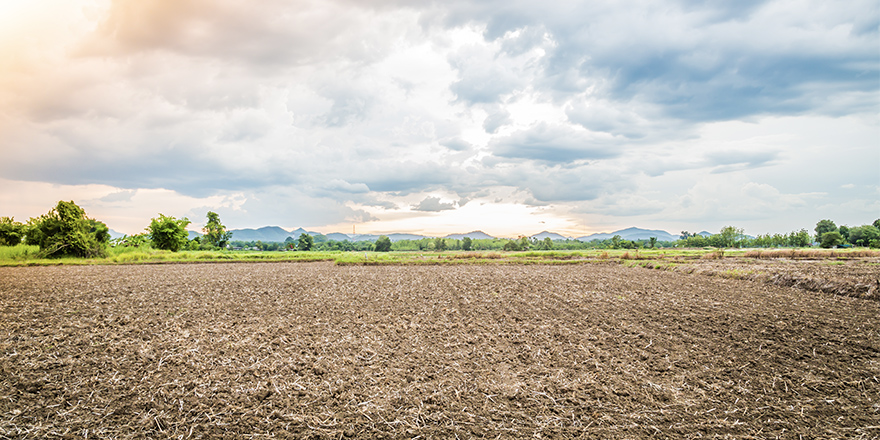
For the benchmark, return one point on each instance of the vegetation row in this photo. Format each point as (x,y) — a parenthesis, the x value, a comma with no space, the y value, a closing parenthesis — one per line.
(67,232)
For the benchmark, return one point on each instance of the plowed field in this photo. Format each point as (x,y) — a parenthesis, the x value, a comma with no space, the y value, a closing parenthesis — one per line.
(286,350)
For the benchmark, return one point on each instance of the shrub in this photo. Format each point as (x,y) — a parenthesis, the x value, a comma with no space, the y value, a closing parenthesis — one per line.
(11,231)
(831,239)
(66,231)
(383,244)
(169,233)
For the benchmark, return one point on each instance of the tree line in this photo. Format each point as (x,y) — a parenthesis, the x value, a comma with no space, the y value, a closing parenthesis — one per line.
(66,230)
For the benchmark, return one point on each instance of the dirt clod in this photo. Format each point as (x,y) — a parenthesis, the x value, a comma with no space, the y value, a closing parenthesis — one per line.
(314,350)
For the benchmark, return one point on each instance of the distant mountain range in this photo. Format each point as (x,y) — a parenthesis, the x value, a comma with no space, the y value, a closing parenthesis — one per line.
(475,235)
(270,234)
(632,234)
(278,234)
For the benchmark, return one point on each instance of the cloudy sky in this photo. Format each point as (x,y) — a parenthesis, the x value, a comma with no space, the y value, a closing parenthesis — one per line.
(509,116)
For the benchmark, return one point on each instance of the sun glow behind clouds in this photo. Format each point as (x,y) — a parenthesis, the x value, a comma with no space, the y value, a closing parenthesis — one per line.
(496,219)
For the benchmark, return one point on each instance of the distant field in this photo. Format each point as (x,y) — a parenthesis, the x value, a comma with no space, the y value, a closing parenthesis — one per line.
(704,348)
(23,255)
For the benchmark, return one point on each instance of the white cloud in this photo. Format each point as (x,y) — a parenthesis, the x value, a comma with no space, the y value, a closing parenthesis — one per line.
(328,111)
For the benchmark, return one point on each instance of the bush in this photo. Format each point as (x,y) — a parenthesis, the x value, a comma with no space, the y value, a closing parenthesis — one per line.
(11,231)
(169,233)
(831,239)
(383,244)
(66,231)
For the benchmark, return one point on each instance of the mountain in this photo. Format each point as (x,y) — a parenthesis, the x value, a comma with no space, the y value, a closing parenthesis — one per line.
(545,234)
(266,234)
(193,234)
(474,235)
(300,231)
(398,237)
(269,234)
(278,234)
(114,234)
(632,234)
(337,236)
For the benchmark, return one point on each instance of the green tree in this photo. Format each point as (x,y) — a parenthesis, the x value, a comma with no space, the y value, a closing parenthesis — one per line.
(67,231)
(824,226)
(466,243)
(11,231)
(799,239)
(512,245)
(844,232)
(616,241)
(876,223)
(830,239)
(383,244)
(653,241)
(731,236)
(863,235)
(439,244)
(169,233)
(547,244)
(305,242)
(215,233)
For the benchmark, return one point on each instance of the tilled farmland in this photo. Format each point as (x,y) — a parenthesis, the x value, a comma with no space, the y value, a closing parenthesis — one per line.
(314,350)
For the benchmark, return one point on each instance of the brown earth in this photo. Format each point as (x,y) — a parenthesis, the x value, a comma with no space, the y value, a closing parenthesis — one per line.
(286,350)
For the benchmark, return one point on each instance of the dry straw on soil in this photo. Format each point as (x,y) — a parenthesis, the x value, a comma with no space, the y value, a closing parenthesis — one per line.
(321,351)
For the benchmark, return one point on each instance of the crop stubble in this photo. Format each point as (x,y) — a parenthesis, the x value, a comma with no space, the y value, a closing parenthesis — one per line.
(322,351)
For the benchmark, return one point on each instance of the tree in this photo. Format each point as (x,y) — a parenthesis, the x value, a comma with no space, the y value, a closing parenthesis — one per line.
(844,231)
(876,223)
(439,244)
(215,233)
(731,236)
(466,243)
(11,231)
(512,245)
(824,226)
(548,244)
(383,244)
(615,241)
(168,233)
(830,239)
(66,230)
(799,239)
(653,241)
(305,242)
(863,235)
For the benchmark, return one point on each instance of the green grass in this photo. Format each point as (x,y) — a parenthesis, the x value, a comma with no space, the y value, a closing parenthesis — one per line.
(663,259)
(20,252)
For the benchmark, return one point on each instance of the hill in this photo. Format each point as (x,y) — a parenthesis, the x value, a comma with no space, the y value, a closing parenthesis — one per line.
(551,235)
(473,235)
(632,234)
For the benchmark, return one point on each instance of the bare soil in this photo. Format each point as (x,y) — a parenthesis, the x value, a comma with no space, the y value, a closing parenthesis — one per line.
(295,350)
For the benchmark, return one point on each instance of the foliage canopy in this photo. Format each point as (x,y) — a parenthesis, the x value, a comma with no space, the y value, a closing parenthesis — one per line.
(169,233)
(66,231)
(11,231)
(383,244)
(215,233)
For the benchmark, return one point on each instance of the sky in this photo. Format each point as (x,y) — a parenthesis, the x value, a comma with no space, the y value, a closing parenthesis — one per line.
(436,117)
